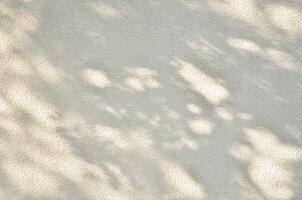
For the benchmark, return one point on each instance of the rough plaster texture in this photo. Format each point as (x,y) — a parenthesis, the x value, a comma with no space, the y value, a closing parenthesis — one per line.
(153,99)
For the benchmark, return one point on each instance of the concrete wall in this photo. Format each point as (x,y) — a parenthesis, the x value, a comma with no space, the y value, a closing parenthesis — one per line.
(153,99)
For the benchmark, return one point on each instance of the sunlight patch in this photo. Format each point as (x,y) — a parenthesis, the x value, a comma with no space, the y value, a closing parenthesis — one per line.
(279,58)
(5,42)
(201,126)
(5,106)
(193,108)
(245,116)
(119,174)
(285,18)
(96,78)
(141,78)
(30,179)
(224,113)
(46,70)
(241,10)
(202,83)
(271,178)
(270,163)
(110,134)
(268,144)
(105,10)
(183,142)
(140,139)
(243,44)
(17,65)
(179,183)
(135,83)
(31,102)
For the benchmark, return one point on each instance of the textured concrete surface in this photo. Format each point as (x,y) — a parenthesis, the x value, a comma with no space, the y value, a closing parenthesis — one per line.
(153,99)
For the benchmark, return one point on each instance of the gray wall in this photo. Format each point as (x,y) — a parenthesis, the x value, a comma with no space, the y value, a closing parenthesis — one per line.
(154,99)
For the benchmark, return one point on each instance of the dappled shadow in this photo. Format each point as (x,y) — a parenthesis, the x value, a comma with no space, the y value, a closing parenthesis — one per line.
(153,100)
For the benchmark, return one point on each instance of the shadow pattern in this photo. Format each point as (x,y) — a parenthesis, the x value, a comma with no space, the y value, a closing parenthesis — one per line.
(181,99)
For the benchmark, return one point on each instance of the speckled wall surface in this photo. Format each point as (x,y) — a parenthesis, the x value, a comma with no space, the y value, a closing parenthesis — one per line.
(153,99)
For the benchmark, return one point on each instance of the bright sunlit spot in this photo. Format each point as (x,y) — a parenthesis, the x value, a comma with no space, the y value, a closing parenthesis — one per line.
(201,126)
(285,18)
(96,78)
(202,83)
(269,163)
(106,10)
